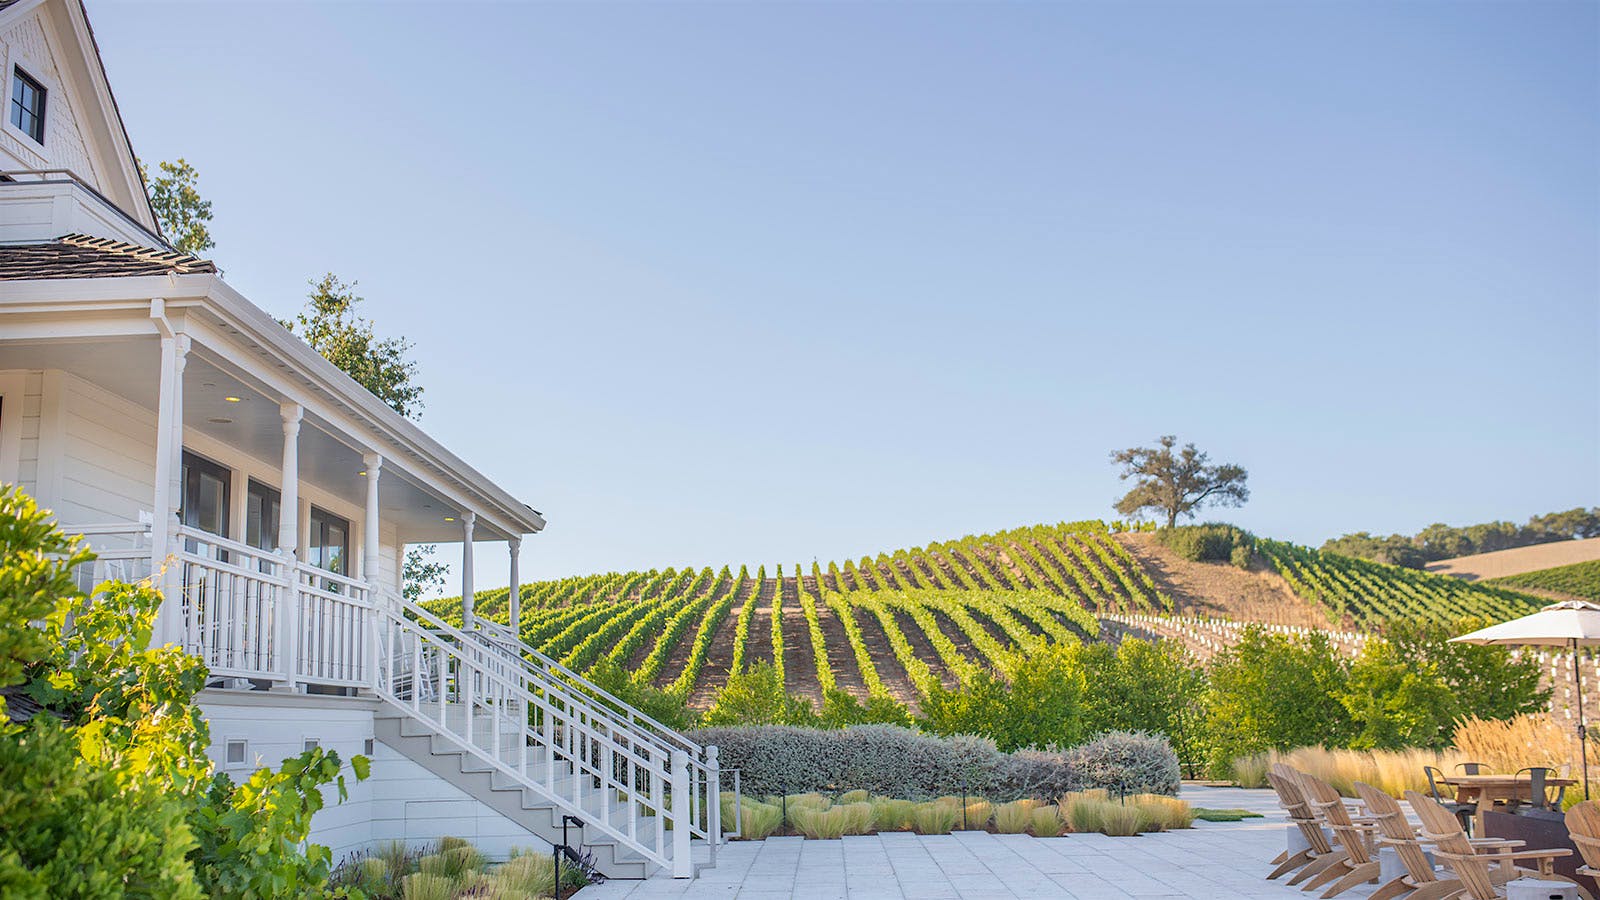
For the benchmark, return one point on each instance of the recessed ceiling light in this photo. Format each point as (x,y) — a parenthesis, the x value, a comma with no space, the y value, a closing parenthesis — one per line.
(449,518)
(362,472)
(219,420)
(233,399)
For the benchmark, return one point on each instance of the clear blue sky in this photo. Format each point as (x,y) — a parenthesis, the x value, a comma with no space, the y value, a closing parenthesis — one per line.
(760,283)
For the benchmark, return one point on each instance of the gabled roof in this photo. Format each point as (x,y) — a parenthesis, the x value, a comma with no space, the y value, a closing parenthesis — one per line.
(83,256)
(95,106)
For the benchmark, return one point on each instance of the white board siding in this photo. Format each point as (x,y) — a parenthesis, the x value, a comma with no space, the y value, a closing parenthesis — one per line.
(25,407)
(108,455)
(401,801)
(25,43)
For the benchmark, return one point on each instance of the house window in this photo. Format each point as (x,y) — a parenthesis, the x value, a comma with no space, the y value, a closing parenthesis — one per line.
(262,508)
(205,495)
(27,105)
(238,751)
(329,542)
(312,744)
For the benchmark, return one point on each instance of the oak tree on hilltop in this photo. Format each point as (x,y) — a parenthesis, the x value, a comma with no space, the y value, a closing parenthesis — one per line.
(1176,481)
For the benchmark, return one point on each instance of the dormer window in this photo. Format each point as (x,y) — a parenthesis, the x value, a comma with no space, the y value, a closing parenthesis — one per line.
(27,105)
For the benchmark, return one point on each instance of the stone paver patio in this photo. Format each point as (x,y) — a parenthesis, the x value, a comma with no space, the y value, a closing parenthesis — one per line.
(1212,860)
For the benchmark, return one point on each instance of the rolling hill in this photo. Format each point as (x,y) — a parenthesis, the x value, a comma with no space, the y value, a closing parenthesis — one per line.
(1519,560)
(899,622)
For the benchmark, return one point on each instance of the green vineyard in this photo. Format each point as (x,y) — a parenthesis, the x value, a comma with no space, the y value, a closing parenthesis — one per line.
(901,623)
(1359,591)
(1577,580)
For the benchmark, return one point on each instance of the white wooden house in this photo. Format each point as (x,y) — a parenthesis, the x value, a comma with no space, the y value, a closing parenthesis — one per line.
(197,442)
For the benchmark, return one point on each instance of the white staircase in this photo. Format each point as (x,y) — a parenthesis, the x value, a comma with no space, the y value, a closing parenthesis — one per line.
(536,742)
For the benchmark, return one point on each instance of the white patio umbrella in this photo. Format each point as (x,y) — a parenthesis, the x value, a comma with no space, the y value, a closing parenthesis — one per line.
(1572,624)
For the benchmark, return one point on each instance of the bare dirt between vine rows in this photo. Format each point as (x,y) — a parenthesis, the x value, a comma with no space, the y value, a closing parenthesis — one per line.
(1219,589)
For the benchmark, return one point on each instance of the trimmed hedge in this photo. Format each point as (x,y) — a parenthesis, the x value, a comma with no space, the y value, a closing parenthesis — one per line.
(891,761)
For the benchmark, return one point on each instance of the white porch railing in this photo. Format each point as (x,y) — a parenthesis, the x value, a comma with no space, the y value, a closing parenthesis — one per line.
(544,733)
(534,667)
(336,629)
(250,613)
(122,553)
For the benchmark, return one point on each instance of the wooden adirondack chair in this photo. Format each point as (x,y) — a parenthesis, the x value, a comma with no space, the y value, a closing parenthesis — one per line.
(1359,865)
(1470,864)
(1583,826)
(1420,882)
(1319,853)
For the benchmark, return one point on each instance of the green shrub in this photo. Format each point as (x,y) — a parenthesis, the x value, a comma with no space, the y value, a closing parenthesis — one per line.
(883,759)
(110,793)
(1035,701)
(756,697)
(1211,542)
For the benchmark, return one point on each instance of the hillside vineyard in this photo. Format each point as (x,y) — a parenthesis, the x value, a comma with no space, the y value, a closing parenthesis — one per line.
(902,622)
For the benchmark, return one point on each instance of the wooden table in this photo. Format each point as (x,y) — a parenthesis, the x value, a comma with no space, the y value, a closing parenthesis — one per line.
(1485,790)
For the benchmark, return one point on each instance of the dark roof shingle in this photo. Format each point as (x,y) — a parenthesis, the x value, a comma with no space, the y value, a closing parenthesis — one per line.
(83,256)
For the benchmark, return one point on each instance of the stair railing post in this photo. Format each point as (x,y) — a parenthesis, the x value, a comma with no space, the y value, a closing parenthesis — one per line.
(682,864)
(713,799)
(289,616)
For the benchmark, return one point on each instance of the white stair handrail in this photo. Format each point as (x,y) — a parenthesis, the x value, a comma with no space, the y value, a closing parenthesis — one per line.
(571,725)
(532,657)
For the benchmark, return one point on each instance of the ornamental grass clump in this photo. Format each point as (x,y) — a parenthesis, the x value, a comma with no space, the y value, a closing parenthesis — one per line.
(430,886)
(978,814)
(1121,819)
(936,817)
(1046,821)
(758,820)
(1164,813)
(820,824)
(858,817)
(1084,811)
(1013,817)
(533,875)
(857,796)
(892,815)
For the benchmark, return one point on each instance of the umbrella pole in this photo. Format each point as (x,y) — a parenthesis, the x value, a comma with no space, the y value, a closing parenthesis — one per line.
(1583,732)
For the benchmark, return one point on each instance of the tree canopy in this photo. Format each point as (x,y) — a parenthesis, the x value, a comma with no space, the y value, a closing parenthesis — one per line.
(179,208)
(383,366)
(1177,481)
(1440,541)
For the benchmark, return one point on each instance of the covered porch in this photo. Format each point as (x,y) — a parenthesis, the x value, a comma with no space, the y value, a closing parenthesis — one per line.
(269,496)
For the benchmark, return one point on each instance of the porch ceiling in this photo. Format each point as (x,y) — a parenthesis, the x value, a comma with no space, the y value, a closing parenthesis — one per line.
(128,368)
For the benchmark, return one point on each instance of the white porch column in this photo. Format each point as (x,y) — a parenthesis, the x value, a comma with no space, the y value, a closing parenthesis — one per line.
(289,494)
(169,487)
(514,544)
(370,563)
(369,541)
(468,520)
(288,544)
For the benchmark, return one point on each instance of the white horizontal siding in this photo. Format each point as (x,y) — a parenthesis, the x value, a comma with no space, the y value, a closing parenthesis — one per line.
(401,801)
(28,461)
(106,471)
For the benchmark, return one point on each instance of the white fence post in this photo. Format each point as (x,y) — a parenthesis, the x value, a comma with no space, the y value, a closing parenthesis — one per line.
(713,799)
(682,863)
